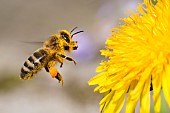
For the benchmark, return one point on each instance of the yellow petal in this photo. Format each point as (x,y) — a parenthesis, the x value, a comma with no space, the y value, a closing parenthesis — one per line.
(98,79)
(119,99)
(131,102)
(130,105)
(145,98)
(116,102)
(166,84)
(156,84)
(107,97)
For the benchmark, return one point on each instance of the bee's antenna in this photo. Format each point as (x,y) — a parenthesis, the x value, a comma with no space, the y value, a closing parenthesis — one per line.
(73,30)
(76,33)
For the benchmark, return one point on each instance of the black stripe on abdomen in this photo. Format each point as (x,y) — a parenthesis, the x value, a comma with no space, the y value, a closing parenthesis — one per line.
(33,64)
(24,71)
(29,65)
(37,55)
(33,60)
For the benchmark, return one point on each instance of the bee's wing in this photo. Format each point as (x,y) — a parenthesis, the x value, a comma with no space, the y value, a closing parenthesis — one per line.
(32,42)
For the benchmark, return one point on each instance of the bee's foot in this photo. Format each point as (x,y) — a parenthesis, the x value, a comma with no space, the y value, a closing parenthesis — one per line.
(61,65)
(74,62)
(60,79)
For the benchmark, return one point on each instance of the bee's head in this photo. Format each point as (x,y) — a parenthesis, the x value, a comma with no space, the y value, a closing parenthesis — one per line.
(68,43)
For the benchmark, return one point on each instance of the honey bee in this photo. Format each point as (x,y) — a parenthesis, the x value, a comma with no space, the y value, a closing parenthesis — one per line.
(53,51)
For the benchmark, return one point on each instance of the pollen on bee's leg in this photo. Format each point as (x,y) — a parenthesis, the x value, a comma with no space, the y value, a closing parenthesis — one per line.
(53,71)
(55,74)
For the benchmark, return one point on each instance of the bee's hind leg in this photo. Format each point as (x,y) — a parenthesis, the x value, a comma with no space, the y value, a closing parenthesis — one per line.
(55,74)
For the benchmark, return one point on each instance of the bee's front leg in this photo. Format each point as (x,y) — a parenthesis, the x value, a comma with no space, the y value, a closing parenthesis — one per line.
(67,58)
(55,74)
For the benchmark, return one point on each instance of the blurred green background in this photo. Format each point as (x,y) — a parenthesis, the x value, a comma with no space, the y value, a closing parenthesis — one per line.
(35,20)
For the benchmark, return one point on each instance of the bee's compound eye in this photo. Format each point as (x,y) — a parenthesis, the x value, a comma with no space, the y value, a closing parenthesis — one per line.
(65,36)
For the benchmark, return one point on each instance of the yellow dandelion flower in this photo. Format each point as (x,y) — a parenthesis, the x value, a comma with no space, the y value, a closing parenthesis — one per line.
(139,55)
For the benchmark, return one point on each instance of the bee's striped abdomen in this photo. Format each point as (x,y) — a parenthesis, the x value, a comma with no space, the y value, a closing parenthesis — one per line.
(33,64)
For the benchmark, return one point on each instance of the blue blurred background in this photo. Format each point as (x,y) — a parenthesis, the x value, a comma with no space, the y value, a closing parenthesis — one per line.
(35,20)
